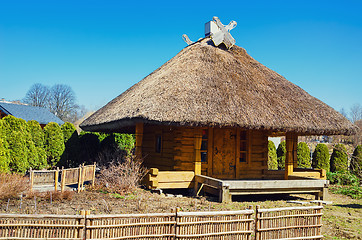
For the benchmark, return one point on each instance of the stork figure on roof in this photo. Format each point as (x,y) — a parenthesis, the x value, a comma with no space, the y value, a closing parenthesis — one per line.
(218,33)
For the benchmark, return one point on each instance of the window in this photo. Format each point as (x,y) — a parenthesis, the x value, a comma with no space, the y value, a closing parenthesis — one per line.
(158,143)
(204,146)
(243,146)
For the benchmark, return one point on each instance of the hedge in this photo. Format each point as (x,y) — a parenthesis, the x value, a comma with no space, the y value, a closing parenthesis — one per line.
(4,148)
(54,143)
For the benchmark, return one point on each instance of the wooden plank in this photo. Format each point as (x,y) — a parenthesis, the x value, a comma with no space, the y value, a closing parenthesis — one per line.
(171,185)
(173,176)
(281,184)
(315,175)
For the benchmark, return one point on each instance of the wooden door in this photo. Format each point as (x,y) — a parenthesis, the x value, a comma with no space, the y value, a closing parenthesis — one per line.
(224,148)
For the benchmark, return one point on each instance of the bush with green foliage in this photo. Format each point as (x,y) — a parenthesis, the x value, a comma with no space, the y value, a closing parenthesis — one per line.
(54,143)
(320,158)
(339,158)
(4,148)
(70,156)
(356,162)
(303,155)
(272,156)
(343,178)
(37,135)
(68,130)
(281,153)
(89,147)
(22,149)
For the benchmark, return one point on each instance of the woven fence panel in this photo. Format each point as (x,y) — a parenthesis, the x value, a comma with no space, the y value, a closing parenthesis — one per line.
(23,226)
(44,177)
(88,172)
(72,175)
(133,226)
(215,225)
(289,223)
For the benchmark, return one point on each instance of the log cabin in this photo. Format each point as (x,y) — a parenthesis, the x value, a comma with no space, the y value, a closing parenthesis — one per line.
(202,120)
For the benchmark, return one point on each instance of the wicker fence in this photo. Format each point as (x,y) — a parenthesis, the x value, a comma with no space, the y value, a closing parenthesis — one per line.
(69,176)
(282,223)
(289,223)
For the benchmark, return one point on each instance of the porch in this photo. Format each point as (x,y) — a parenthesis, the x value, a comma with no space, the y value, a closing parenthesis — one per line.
(303,182)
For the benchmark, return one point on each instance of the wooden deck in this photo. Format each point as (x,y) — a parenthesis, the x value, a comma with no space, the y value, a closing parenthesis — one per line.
(308,182)
(225,189)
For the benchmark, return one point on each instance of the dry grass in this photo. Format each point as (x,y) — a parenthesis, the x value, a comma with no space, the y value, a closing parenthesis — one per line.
(121,177)
(12,185)
(51,195)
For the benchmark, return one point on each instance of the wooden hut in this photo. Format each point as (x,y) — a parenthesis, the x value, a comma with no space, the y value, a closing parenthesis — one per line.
(202,120)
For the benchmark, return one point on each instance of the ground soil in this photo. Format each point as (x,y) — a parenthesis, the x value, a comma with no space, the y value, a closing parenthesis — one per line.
(342,219)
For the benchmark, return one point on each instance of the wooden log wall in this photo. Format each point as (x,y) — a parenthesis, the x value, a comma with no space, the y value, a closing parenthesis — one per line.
(257,156)
(163,160)
(181,145)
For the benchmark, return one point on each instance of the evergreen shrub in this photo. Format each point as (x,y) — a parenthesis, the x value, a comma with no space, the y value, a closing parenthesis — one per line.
(272,156)
(356,162)
(320,158)
(281,152)
(303,155)
(4,148)
(37,135)
(54,143)
(339,159)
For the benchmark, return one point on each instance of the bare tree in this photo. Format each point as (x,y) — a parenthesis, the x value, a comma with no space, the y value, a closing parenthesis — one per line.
(63,102)
(356,112)
(38,95)
(343,112)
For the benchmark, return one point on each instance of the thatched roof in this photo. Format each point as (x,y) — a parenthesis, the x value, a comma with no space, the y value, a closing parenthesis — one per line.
(204,85)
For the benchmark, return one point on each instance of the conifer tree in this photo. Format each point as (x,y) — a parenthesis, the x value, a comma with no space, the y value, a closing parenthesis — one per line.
(281,152)
(321,157)
(356,162)
(303,155)
(54,143)
(272,156)
(339,158)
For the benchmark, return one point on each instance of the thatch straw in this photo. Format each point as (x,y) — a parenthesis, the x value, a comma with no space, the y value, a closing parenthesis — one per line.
(205,85)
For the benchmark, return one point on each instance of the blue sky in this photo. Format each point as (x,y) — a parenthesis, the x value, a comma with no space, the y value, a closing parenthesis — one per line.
(101,48)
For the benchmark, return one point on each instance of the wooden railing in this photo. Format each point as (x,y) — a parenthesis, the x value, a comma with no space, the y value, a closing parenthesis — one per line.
(279,223)
(69,176)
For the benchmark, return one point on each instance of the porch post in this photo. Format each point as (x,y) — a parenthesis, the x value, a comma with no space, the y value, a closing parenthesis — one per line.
(289,156)
(197,148)
(295,146)
(139,137)
(197,152)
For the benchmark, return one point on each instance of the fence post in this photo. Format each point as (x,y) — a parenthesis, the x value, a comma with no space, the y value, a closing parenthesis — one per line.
(62,183)
(257,223)
(56,179)
(83,173)
(81,231)
(249,224)
(31,174)
(79,178)
(176,217)
(94,174)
